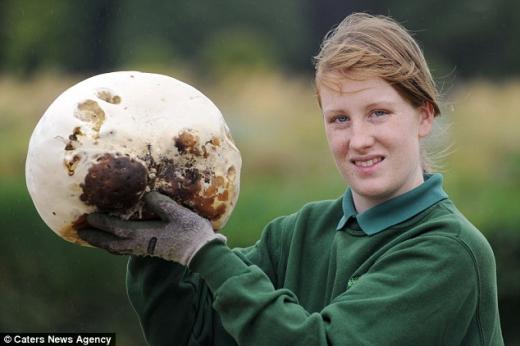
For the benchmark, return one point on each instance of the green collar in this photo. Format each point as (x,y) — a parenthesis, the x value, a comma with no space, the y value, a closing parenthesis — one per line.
(395,210)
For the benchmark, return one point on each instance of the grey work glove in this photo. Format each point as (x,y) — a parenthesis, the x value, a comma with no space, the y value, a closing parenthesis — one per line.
(177,237)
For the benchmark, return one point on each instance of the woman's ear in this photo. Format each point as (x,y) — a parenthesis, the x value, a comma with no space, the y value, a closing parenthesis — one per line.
(426,114)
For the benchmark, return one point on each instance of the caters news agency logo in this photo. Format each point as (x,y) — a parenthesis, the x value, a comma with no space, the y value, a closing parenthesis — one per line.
(84,339)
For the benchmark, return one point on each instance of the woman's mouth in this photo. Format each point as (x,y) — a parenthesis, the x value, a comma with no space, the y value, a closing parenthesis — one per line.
(369,162)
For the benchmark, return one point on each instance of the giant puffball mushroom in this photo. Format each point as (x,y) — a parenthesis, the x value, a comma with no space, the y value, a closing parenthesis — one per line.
(106,141)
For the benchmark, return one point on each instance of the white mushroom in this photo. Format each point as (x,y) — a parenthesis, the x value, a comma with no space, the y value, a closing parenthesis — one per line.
(107,140)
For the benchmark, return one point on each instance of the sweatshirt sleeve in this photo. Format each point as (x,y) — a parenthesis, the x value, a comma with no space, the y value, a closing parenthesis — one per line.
(170,302)
(174,304)
(428,300)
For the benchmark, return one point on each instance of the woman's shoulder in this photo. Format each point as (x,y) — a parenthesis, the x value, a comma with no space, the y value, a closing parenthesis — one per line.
(329,206)
(446,221)
(311,216)
(314,212)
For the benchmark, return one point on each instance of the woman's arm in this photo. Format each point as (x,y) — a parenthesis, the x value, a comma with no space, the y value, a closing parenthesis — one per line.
(174,305)
(171,302)
(424,292)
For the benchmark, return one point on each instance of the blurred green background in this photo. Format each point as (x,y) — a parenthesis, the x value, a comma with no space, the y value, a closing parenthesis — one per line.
(254,60)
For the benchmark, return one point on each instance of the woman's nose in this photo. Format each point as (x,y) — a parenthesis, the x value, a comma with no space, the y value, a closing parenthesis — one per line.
(361,137)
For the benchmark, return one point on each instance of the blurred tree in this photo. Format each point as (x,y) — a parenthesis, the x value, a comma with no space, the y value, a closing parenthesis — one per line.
(197,31)
(474,38)
(3,28)
(237,49)
(62,35)
(325,14)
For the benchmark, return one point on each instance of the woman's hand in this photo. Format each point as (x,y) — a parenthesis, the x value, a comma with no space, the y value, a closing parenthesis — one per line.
(177,237)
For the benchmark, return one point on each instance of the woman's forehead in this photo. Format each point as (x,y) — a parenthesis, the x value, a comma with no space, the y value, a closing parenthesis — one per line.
(349,83)
(373,88)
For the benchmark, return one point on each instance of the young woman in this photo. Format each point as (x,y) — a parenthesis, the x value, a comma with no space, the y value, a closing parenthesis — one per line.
(391,262)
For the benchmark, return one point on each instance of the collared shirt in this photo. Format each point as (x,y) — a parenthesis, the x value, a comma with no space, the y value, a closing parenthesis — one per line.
(394,210)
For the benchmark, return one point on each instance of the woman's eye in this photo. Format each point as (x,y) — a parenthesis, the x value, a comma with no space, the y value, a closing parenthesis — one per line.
(379,113)
(341,118)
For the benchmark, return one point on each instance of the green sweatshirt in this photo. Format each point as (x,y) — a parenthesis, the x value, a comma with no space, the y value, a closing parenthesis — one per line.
(410,271)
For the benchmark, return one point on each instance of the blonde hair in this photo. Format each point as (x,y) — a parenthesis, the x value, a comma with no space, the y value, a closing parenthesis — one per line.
(365,46)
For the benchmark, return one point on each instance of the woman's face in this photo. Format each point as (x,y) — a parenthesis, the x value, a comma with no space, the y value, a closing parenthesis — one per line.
(374,136)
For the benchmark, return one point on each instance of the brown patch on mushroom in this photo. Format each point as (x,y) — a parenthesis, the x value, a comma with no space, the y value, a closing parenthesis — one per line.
(114,184)
(215,141)
(81,222)
(75,133)
(224,196)
(90,111)
(72,164)
(70,232)
(73,139)
(219,188)
(185,185)
(206,208)
(108,96)
(231,173)
(217,182)
(205,153)
(187,143)
(180,183)
(212,143)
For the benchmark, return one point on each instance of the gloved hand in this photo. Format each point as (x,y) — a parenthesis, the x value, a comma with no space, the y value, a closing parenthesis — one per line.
(176,237)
